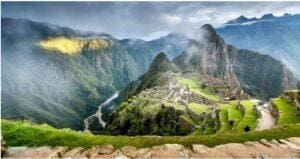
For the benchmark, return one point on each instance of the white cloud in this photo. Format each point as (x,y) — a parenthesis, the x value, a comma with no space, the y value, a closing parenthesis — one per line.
(171,19)
(155,35)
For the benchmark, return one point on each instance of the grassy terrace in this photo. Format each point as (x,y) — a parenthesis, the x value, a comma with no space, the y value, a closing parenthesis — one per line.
(232,114)
(287,111)
(198,108)
(17,134)
(249,117)
(188,119)
(195,86)
(223,116)
(174,105)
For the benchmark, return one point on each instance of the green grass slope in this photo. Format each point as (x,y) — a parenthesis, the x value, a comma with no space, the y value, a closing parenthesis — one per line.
(21,134)
(287,112)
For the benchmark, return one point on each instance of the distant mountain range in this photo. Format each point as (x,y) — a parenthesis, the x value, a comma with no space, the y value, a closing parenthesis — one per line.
(242,19)
(278,37)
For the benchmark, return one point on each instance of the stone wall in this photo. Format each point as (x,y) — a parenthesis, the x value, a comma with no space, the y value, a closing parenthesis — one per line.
(274,111)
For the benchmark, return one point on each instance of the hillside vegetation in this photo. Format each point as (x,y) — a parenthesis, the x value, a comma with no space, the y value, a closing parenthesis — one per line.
(29,134)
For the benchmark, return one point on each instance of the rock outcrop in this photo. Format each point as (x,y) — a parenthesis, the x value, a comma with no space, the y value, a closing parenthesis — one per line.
(207,54)
(283,148)
(259,75)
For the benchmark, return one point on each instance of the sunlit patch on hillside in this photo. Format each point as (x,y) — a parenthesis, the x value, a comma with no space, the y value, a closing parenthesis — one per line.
(73,45)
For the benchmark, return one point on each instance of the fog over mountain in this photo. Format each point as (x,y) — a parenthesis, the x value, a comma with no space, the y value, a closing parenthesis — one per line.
(146,20)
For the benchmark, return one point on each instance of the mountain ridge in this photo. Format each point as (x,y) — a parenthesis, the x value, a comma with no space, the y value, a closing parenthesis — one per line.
(278,38)
(59,85)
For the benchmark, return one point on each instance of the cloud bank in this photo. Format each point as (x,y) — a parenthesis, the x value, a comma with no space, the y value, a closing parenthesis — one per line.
(145,20)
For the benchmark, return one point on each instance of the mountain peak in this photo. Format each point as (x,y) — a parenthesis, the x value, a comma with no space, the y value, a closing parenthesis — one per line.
(240,19)
(267,16)
(161,63)
(210,31)
(208,27)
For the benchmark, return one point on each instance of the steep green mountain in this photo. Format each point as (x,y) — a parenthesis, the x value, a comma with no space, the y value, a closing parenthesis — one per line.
(205,90)
(161,102)
(259,75)
(58,75)
(187,103)
(278,37)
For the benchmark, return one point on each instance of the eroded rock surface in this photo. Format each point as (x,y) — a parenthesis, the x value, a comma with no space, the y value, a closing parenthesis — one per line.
(283,148)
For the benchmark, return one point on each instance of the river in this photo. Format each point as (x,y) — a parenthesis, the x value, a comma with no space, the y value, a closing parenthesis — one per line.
(98,113)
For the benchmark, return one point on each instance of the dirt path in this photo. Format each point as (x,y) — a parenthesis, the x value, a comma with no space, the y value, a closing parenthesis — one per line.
(266,121)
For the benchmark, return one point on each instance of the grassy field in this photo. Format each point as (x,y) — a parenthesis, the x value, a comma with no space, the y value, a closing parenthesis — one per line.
(287,111)
(26,134)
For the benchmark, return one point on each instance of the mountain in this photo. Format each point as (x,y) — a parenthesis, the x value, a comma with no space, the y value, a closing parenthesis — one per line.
(191,93)
(56,75)
(171,44)
(259,75)
(241,19)
(207,54)
(278,37)
(163,102)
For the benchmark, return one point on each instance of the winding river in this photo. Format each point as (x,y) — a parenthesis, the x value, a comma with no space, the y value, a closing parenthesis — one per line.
(98,113)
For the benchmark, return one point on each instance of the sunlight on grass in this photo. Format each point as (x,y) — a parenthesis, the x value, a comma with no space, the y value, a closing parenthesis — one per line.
(249,118)
(287,112)
(233,113)
(73,45)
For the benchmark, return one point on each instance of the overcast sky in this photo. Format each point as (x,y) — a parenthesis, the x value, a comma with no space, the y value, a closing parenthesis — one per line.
(145,20)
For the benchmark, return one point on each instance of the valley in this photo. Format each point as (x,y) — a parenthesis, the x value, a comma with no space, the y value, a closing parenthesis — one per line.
(98,113)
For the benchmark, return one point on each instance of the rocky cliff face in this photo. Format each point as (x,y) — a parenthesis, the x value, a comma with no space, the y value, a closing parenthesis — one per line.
(259,75)
(278,37)
(207,54)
